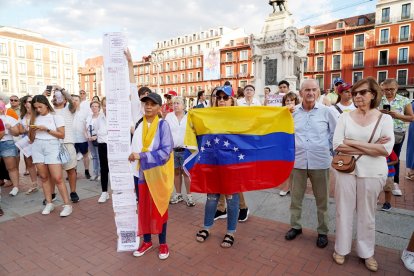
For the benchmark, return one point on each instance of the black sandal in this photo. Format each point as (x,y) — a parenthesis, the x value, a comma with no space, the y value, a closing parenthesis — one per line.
(203,235)
(228,239)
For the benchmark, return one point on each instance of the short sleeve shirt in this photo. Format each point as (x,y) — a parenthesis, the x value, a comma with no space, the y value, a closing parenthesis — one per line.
(398,105)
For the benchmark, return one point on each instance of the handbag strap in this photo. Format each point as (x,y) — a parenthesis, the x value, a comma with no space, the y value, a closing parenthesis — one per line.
(372,134)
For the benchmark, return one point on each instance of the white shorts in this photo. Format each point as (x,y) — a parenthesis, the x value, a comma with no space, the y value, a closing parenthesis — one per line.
(73,161)
(46,151)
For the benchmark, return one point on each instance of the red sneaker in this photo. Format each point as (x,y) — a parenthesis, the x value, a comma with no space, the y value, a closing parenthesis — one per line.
(145,246)
(163,251)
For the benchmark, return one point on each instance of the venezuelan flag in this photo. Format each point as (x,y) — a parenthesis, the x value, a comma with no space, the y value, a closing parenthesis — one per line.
(238,149)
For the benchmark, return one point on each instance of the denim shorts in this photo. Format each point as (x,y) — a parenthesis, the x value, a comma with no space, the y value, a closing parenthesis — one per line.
(82,147)
(8,149)
(178,159)
(46,151)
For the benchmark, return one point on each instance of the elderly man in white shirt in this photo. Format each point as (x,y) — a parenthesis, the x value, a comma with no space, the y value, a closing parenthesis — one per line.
(178,122)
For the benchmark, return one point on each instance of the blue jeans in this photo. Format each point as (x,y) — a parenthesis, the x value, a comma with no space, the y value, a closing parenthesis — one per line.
(162,237)
(397,149)
(232,211)
(95,159)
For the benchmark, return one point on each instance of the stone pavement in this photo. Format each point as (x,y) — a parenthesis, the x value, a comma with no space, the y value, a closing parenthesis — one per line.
(85,242)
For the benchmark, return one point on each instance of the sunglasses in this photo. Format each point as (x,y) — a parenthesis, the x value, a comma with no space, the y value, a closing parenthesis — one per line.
(360,92)
(14,100)
(225,97)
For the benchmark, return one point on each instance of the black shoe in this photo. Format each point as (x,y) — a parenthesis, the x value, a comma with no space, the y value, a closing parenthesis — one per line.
(53,199)
(322,241)
(243,214)
(74,197)
(292,233)
(87,175)
(220,215)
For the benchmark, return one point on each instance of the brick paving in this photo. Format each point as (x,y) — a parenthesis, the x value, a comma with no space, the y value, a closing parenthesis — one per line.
(85,244)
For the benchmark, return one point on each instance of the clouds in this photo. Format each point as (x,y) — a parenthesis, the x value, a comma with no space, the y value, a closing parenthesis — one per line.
(81,23)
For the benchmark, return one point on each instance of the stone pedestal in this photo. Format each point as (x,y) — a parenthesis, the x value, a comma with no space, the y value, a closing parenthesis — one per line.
(279,53)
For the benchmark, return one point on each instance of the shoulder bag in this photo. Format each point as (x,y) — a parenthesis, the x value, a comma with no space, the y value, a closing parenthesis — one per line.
(346,163)
(63,154)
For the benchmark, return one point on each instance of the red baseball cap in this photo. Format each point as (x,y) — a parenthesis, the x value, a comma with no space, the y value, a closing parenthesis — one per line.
(172,93)
(343,87)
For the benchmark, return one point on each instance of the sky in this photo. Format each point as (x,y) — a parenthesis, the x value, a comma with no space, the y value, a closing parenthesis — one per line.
(81,23)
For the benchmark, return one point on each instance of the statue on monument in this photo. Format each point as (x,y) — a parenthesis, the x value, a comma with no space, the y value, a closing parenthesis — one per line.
(279,3)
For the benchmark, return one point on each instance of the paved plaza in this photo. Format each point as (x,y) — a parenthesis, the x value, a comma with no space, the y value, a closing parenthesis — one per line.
(85,242)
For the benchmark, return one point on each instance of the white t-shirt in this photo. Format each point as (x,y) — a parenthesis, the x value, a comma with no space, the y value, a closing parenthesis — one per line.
(177,128)
(50,121)
(243,102)
(90,125)
(12,122)
(68,117)
(79,122)
(344,108)
(101,128)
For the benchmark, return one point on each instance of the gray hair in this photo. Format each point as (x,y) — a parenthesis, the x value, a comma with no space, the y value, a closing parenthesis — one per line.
(178,99)
(308,80)
(4,98)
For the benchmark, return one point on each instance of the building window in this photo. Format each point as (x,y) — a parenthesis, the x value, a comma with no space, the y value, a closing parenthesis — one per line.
(5,84)
(336,44)
(359,41)
(68,73)
(207,45)
(167,68)
(305,65)
(402,77)
(229,56)
(243,69)
(319,80)
(38,54)
(3,49)
(175,65)
(359,59)
(357,76)
(382,76)
(383,57)
(243,55)
(22,68)
(21,52)
(217,43)
(340,25)
(405,11)
(319,64)
(385,17)
(39,70)
(53,56)
(320,46)
(198,62)
(404,33)
(66,58)
(229,71)
(4,67)
(361,21)
(190,63)
(54,72)
(199,76)
(242,83)
(384,36)
(190,77)
(182,77)
(307,30)
(23,86)
(402,55)
(336,62)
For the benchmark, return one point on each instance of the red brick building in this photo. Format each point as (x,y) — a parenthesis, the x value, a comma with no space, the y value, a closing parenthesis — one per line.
(91,78)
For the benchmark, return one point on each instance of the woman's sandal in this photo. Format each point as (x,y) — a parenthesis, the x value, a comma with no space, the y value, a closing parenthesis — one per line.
(202,235)
(410,176)
(227,241)
(32,190)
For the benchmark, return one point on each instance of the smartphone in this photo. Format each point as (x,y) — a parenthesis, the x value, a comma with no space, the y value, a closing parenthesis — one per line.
(386,107)
(32,126)
(49,89)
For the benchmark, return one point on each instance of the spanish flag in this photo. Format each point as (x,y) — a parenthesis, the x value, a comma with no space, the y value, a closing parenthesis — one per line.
(237,149)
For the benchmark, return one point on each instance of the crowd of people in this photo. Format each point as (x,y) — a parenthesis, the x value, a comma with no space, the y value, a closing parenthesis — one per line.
(367,120)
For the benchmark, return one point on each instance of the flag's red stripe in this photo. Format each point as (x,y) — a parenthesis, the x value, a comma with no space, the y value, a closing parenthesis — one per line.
(230,179)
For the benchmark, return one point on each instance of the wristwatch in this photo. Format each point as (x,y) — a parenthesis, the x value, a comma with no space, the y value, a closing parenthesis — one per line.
(48,130)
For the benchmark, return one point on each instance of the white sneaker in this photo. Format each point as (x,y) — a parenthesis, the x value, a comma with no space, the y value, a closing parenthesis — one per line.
(79,156)
(408,259)
(67,210)
(396,191)
(283,193)
(14,191)
(49,208)
(104,197)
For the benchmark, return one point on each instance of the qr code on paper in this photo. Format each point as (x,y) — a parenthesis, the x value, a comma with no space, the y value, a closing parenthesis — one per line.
(128,237)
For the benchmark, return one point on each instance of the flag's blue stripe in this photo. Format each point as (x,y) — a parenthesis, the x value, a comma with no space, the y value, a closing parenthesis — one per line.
(278,146)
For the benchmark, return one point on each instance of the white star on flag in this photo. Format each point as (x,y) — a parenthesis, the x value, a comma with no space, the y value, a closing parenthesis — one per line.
(235,149)
(226,143)
(208,143)
(241,157)
(202,149)
(216,140)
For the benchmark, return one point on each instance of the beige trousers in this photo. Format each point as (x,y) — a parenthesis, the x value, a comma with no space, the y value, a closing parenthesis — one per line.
(221,206)
(356,195)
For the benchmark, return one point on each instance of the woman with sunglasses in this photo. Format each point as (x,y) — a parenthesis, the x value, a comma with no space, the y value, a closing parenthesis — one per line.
(223,99)
(24,123)
(357,192)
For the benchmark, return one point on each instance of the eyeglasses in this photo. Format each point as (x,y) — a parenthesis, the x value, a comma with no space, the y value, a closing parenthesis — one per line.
(388,89)
(225,98)
(360,92)
(14,100)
